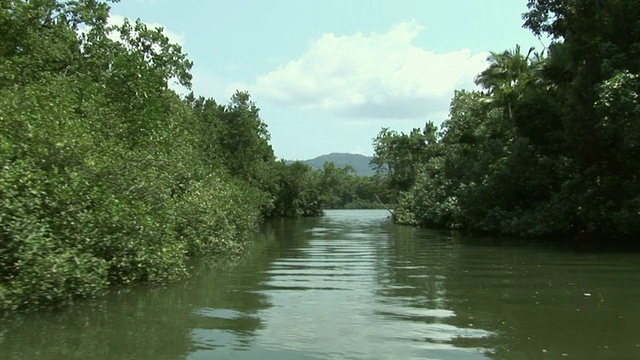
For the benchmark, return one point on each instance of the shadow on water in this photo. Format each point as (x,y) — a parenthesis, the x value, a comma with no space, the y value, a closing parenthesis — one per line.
(119,326)
(147,322)
(537,299)
(602,244)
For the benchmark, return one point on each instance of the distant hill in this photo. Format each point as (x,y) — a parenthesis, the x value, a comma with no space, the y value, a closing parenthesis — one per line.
(359,162)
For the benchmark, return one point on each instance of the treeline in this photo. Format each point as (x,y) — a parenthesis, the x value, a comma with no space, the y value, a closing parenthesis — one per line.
(107,176)
(341,188)
(551,146)
(332,188)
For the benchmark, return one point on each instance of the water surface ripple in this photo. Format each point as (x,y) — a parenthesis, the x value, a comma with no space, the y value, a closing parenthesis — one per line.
(352,285)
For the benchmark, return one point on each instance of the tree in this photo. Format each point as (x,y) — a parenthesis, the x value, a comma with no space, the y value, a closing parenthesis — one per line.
(396,154)
(298,191)
(598,46)
(242,137)
(104,178)
(337,185)
(507,77)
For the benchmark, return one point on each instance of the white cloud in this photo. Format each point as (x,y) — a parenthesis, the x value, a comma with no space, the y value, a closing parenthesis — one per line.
(372,76)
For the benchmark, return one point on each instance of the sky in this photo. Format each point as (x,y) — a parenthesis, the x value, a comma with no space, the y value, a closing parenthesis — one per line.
(328,75)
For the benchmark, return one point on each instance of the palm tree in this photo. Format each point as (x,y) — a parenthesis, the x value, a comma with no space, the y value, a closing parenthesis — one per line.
(507,76)
(559,69)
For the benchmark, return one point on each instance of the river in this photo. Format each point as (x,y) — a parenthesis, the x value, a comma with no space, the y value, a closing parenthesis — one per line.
(352,285)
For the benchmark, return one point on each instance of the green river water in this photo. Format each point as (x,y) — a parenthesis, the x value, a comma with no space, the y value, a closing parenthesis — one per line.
(352,285)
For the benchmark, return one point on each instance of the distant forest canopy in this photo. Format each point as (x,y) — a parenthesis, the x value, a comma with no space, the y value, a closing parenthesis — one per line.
(550,146)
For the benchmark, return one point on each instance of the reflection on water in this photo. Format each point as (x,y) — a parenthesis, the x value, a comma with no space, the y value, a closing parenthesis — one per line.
(354,294)
(353,285)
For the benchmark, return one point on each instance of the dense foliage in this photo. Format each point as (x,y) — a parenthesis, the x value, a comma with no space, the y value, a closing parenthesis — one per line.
(551,146)
(107,176)
(342,189)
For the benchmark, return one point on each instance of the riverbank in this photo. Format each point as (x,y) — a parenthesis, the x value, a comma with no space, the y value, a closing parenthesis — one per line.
(108,177)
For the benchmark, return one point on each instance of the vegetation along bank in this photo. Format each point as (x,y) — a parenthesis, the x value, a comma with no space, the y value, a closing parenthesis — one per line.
(550,146)
(109,177)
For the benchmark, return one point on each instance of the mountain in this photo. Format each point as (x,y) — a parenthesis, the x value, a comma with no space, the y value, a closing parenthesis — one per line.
(359,162)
